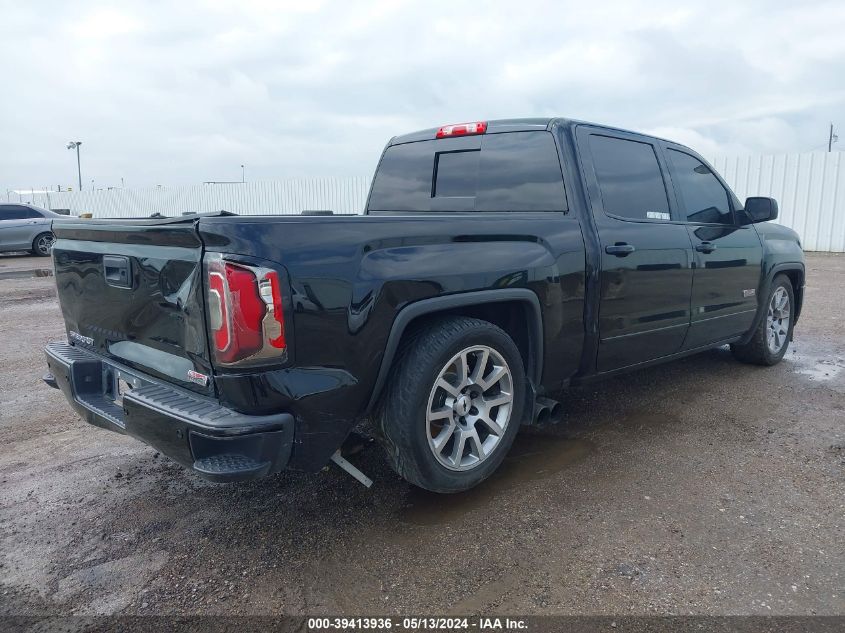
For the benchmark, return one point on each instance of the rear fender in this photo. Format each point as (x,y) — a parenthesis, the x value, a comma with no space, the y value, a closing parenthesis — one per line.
(434,305)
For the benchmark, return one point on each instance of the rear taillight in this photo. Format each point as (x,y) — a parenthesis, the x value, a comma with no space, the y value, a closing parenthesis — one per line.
(245,312)
(271,293)
(218,310)
(462,129)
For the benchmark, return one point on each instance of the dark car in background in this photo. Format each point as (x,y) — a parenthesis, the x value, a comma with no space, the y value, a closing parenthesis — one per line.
(24,227)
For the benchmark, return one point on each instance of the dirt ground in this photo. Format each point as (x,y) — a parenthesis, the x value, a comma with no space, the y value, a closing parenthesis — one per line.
(699,487)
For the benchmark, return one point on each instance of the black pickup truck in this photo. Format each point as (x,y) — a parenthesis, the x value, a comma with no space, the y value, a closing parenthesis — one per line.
(497,263)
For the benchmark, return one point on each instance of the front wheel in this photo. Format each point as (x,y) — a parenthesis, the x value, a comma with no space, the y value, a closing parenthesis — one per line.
(454,404)
(772,336)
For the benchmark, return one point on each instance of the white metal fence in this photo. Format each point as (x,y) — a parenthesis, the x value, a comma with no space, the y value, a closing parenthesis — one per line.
(341,195)
(810,189)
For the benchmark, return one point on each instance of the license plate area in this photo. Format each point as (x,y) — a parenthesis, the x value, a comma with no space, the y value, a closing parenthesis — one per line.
(118,383)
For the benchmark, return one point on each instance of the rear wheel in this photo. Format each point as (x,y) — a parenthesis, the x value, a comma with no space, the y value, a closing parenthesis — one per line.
(43,244)
(454,404)
(772,336)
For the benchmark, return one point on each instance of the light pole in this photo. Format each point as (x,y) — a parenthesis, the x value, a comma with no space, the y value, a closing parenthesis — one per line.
(75,145)
(243,178)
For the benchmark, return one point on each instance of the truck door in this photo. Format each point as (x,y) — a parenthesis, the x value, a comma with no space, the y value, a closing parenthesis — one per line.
(646,255)
(728,257)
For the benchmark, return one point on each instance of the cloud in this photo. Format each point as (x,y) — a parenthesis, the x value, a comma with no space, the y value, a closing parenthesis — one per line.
(184,92)
(104,23)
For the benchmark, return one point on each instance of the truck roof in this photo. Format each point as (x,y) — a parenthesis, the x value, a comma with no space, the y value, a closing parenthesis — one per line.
(515,125)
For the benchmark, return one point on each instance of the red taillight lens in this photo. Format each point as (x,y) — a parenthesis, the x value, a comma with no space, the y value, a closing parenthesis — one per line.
(247,311)
(246,318)
(462,129)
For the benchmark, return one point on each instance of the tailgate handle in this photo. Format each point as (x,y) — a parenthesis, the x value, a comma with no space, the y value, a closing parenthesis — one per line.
(117,270)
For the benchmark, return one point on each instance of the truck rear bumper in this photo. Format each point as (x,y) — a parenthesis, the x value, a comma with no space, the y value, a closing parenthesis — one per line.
(217,443)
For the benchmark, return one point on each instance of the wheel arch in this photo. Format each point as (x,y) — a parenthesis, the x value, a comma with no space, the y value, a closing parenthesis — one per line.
(796,276)
(483,304)
(795,272)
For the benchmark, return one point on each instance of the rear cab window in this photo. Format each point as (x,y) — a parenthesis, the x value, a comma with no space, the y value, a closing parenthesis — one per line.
(511,171)
(456,174)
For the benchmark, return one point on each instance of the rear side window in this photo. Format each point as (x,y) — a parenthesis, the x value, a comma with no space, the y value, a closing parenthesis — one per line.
(704,197)
(515,171)
(629,179)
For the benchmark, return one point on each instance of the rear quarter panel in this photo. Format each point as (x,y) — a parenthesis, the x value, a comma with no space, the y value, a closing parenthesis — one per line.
(350,277)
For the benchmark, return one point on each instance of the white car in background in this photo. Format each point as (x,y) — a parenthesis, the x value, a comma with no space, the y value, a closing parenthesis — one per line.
(24,227)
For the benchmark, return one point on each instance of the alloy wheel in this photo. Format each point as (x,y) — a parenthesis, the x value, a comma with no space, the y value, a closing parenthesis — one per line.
(777,320)
(469,408)
(44,244)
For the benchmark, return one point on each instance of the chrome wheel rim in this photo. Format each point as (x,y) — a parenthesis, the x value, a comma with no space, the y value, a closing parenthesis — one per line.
(469,408)
(777,320)
(45,243)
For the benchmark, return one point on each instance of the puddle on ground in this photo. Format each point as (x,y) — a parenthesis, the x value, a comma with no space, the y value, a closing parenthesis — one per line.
(532,458)
(815,366)
(24,274)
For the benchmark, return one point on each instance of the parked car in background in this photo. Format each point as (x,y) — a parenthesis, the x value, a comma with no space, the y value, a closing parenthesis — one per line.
(24,227)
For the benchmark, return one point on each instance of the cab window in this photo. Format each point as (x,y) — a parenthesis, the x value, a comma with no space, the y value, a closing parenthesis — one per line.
(702,196)
(629,178)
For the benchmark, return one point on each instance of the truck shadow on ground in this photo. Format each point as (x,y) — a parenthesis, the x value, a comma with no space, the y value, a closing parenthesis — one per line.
(630,400)
(534,456)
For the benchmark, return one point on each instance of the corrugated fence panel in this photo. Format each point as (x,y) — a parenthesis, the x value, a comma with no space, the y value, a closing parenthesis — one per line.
(341,195)
(810,189)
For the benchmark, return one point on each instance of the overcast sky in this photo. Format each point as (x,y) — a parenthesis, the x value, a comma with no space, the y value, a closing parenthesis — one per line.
(183,92)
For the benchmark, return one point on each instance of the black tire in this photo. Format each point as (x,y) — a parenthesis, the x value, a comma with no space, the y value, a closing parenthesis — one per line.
(38,244)
(402,414)
(757,351)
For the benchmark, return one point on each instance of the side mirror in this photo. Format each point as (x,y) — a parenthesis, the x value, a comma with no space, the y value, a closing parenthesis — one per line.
(759,209)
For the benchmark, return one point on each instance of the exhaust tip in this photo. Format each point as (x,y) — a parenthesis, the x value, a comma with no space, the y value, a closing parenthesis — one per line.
(542,413)
(547,411)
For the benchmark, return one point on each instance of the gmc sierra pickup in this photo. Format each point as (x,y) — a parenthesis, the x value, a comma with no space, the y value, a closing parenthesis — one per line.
(497,263)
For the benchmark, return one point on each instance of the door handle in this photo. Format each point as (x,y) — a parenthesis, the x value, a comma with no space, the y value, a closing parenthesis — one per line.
(620,249)
(705,247)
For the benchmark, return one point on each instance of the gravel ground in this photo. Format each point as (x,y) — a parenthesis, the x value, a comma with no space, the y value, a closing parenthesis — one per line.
(700,487)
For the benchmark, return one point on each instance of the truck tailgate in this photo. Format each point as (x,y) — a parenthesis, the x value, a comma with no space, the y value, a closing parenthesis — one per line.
(132,291)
